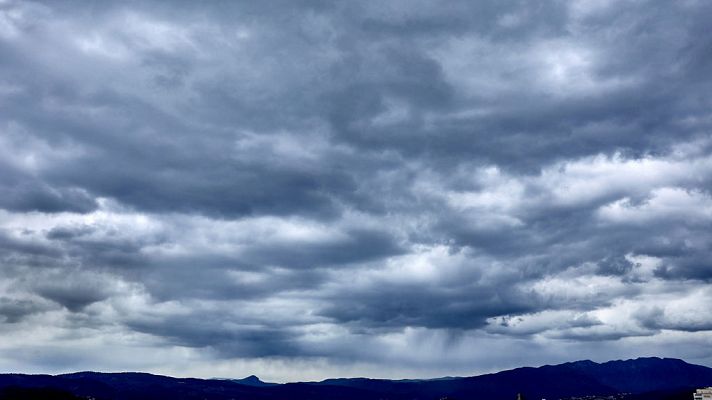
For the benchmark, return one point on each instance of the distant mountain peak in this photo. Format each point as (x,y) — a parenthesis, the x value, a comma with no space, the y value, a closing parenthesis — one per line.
(252,380)
(582,362)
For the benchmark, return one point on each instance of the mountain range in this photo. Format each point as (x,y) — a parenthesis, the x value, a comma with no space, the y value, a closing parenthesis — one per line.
(642,378)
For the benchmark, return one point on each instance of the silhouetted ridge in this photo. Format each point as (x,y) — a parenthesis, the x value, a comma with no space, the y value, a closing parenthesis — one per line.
(647,374)
(253,380)
(643,378)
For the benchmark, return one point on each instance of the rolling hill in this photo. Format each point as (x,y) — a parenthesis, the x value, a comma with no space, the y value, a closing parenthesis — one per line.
(649,378)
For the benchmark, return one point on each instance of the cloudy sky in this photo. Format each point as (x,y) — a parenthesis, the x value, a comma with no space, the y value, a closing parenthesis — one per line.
(304,189)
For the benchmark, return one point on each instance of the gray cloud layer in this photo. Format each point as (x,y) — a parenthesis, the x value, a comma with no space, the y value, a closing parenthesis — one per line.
(304,189)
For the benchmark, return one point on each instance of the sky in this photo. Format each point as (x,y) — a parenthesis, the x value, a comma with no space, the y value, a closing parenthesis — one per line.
(309,189)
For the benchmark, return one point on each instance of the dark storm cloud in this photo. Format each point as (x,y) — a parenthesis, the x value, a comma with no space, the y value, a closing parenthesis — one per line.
(22,192)
(615,266)
(696,266)
(656,318)
(112,252)
(73,298)
(452,308)
(600,336)
(525,130)
(14,310)
(69,232)
(205,330)
(46,199)
(359,245)
(285,179)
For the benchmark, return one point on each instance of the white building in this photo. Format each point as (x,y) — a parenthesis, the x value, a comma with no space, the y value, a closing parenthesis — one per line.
(703,394)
